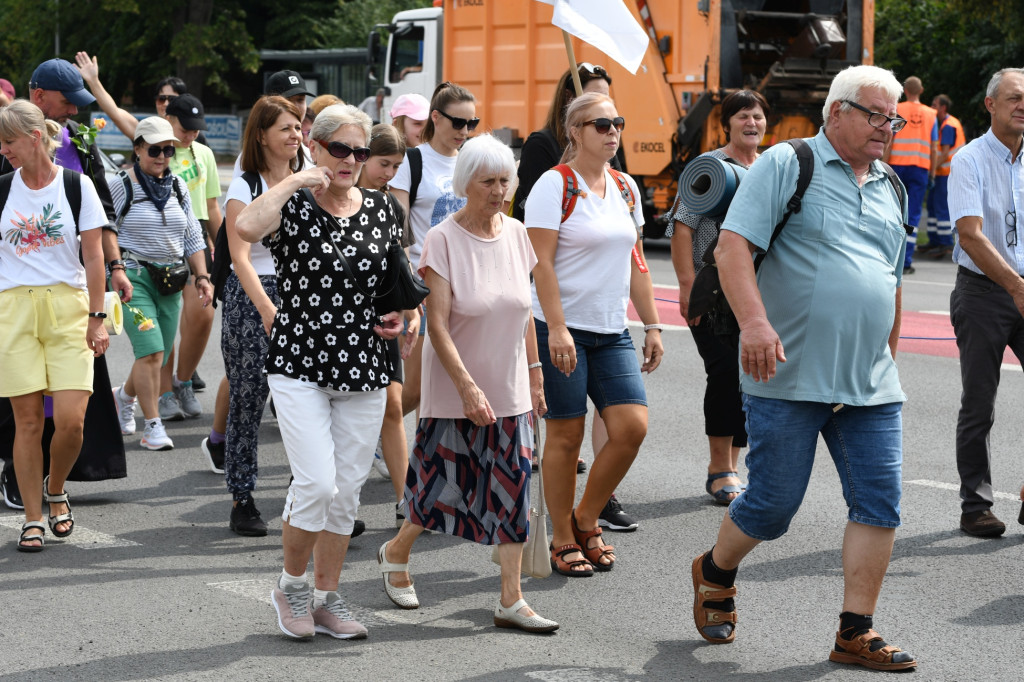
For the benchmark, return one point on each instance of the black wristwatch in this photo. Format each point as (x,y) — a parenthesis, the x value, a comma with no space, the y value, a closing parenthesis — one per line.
(102,316)
(199,277)
(116,261)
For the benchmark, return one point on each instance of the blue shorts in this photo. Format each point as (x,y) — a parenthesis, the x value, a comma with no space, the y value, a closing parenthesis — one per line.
(423,324)
(607,370)
(866,444)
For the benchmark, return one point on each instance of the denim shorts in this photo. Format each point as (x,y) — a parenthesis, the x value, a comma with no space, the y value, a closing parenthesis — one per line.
(866,444)
(607,370)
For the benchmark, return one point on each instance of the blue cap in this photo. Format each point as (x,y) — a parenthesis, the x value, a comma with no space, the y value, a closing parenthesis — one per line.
(58,74)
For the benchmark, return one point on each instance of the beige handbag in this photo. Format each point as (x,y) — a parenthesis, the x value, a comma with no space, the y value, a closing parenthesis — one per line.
(536,554)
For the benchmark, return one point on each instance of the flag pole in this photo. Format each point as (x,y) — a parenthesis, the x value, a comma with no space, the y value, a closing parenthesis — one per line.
(573,69)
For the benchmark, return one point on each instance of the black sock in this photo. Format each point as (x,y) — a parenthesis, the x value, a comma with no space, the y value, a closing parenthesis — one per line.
(854,624)
(721,577)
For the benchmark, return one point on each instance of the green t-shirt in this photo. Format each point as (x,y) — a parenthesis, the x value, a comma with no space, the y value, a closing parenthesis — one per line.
(197,166)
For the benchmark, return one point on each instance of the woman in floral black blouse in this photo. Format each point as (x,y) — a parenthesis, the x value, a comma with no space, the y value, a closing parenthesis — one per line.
(327,367)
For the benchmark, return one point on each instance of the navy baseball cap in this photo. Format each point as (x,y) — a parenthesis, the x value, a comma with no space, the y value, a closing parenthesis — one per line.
(61,75)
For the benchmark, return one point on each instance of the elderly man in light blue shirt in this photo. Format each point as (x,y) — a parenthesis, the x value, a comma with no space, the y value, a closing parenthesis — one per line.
(986,197)
(818,332)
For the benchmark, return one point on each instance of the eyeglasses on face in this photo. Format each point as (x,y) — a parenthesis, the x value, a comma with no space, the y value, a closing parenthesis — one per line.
(460,123)
(155,151)
(603,125)
(340,150)
(163,99)
(877,120)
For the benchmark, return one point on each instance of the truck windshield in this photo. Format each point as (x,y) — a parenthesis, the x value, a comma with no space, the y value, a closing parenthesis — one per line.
(406,52)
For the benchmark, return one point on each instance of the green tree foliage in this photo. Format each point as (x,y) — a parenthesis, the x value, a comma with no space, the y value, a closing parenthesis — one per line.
(952,46)
(352,25)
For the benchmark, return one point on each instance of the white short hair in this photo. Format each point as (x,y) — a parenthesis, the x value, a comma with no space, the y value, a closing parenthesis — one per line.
(481,155)
(993,84)
(853,79)
(333,117)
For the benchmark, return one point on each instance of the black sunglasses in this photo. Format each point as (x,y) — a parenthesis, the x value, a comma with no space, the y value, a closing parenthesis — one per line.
(460,123)
(877,120)
(155,151)
(603,125)
(165,98)
(593,69)
(340,150)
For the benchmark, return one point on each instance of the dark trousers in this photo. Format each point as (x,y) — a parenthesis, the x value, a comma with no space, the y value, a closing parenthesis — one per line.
(985,321)
(723,406)
(245,345)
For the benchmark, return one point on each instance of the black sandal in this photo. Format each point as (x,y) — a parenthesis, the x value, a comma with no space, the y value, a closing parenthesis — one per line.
(54,521)
(32,525)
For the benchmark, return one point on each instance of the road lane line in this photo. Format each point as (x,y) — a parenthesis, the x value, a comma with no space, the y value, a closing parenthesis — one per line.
(83,538)
(956,488)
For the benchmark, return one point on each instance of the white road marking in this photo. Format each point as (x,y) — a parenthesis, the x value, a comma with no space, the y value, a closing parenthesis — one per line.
(956,488)
(82,538)
(572,675)
(944,313)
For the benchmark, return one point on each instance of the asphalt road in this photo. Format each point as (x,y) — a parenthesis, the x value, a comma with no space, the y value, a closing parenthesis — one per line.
(153,585)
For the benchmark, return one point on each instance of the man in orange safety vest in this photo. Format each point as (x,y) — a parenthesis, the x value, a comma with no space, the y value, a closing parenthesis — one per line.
(949,135)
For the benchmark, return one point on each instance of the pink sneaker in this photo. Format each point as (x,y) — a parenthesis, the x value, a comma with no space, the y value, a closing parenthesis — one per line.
(292,608)
(333,618)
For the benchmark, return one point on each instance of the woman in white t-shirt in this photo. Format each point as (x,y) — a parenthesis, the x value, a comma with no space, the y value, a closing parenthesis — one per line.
(270,152)
(452,118)
(590,265)
(51,312)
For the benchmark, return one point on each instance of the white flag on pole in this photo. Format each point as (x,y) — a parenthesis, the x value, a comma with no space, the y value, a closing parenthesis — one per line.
(605,24)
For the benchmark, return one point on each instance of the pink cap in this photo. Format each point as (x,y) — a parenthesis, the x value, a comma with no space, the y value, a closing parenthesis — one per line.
(7,88)
(414,106)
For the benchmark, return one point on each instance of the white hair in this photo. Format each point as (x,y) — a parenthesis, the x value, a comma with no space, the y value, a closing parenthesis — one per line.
(335,116)
(482,154)
(997,78)
(852,80)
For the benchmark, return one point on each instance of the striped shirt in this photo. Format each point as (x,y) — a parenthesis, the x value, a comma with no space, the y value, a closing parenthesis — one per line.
(160,237)
(985,181)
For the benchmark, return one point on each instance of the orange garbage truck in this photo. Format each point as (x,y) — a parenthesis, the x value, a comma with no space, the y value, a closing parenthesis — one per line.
(508,53)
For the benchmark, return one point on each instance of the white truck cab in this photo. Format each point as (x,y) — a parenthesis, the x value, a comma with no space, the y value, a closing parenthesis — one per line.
(412,62)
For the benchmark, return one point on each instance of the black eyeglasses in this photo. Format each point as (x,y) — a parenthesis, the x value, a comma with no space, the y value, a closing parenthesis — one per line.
(877,120)
(340,150)
(460,123)
(1011,222)
(165,98)
(154,151)
(603,125)
(593,69)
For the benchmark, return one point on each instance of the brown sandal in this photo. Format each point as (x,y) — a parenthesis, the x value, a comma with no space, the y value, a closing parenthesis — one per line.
(703,616)
(857,651)
(560,565)
(593,554)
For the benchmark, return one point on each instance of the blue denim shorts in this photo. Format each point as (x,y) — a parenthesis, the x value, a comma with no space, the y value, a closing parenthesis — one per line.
(866,444)
(607,370)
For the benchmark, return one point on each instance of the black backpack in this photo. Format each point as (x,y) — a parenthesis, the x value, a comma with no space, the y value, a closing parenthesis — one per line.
(221,251)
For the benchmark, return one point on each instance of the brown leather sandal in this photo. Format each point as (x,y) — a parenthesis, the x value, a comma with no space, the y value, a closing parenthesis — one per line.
(857,651)
(569,568)
(593,554)
(705,617)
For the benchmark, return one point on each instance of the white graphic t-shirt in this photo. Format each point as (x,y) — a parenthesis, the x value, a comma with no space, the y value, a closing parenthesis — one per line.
(38,242)
(435,199)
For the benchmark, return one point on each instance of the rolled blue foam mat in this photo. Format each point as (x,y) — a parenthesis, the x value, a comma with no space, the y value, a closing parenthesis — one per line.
(707,185)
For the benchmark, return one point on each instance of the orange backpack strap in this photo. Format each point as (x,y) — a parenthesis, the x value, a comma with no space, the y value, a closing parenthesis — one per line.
(570,192)
(627,196)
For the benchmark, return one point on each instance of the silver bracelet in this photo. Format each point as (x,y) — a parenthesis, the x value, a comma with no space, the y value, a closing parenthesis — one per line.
(649,327)
(534,365)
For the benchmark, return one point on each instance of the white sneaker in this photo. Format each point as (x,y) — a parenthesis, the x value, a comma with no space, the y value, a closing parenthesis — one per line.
(155,437)
(378,461)
(125,411)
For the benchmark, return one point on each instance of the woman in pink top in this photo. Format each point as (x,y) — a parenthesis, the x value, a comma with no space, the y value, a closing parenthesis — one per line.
(469,474)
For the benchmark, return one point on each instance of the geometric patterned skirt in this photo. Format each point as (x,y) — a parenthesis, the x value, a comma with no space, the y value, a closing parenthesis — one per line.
(472,481)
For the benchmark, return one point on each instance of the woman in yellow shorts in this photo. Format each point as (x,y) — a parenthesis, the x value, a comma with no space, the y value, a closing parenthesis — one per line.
(51,310)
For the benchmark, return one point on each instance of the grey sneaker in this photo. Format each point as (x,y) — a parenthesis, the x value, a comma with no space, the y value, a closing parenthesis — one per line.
(292,606)
(170,408)
(190,406)
(333,618)
(125,411)
(155,437)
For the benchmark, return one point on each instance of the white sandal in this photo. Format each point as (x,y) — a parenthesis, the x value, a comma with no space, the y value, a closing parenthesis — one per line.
(403,597)
(510,618)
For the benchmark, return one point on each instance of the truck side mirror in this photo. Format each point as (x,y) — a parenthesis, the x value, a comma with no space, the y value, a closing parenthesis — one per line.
(373,48)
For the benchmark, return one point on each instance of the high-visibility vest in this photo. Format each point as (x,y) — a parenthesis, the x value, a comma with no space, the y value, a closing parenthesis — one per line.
(912,145)
(960,141)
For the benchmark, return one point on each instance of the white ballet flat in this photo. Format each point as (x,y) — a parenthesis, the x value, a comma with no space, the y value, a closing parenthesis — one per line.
(510,618)
(403,597)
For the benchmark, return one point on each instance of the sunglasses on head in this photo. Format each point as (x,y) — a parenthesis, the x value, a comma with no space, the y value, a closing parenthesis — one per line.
(165,98)
(593,69)
(603,125)
(460,123)
(154,151)
(340,150)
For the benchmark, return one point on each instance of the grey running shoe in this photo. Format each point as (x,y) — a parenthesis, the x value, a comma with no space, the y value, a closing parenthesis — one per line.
(125,411)
(190,406)
(333,618)
(292,606)
(170,408)
(155,437)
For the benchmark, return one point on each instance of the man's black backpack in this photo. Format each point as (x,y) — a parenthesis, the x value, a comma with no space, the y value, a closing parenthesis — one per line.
(706,295)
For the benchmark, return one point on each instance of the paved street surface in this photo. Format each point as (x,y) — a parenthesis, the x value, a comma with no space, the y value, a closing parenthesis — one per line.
(153,584)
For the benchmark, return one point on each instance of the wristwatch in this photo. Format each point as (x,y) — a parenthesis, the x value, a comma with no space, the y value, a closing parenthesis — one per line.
(102,316)
(116,261)
(199,277)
